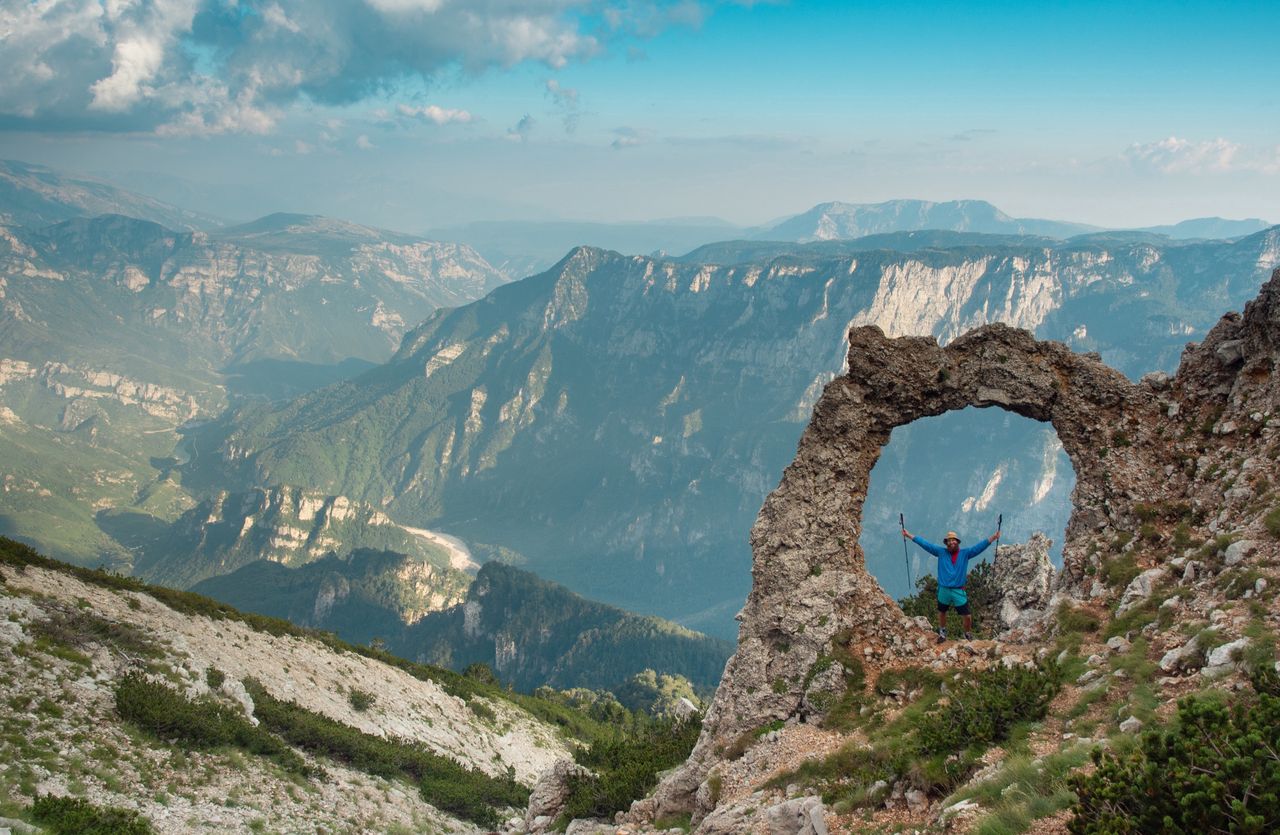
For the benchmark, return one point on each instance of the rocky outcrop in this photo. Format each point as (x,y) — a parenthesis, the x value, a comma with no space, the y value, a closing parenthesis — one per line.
(1150,457)
(1023,575)
(550,794)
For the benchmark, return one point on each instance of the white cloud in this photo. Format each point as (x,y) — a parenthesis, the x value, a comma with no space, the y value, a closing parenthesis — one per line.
(435,113)
(207,66)
(363,143)
(1213,156)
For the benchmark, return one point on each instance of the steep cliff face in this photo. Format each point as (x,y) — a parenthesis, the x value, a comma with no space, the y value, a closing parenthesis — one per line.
(117,333)
(293,527)
(1176,460)
(619,419)
(307,290)
(534,633)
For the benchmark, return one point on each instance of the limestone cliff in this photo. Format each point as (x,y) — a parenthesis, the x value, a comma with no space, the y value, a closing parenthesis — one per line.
(1162,465)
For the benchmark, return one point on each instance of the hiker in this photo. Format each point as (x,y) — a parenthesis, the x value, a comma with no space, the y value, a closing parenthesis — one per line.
(953,565)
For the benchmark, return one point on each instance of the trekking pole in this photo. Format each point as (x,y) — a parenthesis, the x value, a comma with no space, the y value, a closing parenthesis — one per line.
(902,523)
(999,524)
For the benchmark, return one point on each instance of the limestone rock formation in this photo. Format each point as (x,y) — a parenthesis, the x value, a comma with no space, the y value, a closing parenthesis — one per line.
(1024,576)
(1151,459)
(550,793)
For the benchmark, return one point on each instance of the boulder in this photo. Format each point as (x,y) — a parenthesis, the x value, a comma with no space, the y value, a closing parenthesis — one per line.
(801,816)
(958,816)
(1222,660)
(1237,551)
(1186,657)
(1140,588)
(550,794)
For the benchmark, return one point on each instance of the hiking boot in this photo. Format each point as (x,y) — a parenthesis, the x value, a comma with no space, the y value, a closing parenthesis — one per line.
(968,636)
(942,636)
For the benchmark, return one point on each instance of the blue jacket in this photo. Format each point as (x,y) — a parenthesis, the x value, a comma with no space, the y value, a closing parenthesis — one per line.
(951,576)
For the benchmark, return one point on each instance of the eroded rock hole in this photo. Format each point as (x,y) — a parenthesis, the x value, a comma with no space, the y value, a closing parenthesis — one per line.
(959,471)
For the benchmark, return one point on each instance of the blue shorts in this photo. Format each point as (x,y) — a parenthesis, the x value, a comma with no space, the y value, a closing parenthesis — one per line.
(953,597)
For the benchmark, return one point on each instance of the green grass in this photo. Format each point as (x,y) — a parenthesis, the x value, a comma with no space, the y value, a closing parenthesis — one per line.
(1073,620)
(933,744)
(1272,521)
(1119,571)
(1024,790)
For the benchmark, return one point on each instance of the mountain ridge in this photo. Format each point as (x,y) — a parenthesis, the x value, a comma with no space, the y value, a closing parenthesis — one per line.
(655,437)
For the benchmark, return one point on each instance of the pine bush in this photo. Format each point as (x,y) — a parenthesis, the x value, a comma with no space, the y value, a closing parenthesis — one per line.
(1216,771)
(77,816)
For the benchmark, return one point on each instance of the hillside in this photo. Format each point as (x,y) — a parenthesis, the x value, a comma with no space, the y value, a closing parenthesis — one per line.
(617,420)
(531,633)
(117,334)
(73,646)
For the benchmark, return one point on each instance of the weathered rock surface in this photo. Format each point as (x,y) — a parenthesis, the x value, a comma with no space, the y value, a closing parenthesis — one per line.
(550,794)
(799,816)
(1141,587)
(1150,459)
(1024,576)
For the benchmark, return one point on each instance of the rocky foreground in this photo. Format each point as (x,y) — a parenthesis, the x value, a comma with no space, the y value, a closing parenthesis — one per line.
(1167,587)
(66,643)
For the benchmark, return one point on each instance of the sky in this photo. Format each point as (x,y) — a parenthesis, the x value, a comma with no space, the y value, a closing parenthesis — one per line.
(419,114)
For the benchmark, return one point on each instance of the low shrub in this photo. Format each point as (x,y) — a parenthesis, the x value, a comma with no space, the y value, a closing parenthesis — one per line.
(442,782)
(627,767)
(1216,771)
(481,710)
(1072,620)
(200,723)
(76,816)
(906,680)
(360,700)
(983,710)
(1118,572)
(214,677)
(934,744)
(77,629)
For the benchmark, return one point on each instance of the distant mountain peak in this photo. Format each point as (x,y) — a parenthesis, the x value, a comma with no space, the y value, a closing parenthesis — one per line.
(35,195)
(840,221)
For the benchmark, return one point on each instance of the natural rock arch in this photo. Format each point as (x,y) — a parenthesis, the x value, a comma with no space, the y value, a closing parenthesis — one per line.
(809,578)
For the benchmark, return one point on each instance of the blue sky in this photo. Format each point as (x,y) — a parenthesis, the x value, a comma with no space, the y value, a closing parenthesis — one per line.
(418,113)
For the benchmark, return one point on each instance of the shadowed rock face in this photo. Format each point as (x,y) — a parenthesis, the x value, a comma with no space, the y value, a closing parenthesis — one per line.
(1152,444)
